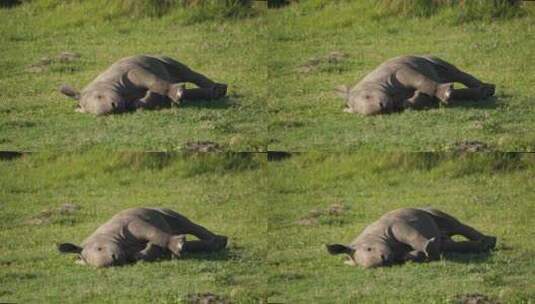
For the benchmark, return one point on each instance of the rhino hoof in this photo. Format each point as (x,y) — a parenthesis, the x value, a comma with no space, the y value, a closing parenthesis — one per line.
(176,244)
(219,90)
(177,92)
(488,90)
(444,92)
(489,242)
(220,242)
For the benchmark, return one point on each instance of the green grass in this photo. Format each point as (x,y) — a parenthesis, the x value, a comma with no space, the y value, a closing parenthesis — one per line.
(305,113)
(35,116)
(279,96)
(258,204)
(218,192)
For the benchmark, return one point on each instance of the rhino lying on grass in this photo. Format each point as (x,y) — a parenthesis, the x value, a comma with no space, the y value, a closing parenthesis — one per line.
(411,82)
(142,82)
(144,234)
(410,234)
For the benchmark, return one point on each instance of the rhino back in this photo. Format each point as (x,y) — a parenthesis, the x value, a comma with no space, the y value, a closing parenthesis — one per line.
(416,220)
(153,216)
(115,228)
(444,221)
(419,220)
(383,77)
(114,75)
(372,232)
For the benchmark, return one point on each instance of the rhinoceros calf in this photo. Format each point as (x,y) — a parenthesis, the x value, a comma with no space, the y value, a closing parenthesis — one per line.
(143,234)
(411,82)
(410,234)
(142,82)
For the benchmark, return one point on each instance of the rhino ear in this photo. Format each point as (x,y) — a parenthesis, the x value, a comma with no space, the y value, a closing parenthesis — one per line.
(339,249)
(69,248)
(342,91)
(67,90)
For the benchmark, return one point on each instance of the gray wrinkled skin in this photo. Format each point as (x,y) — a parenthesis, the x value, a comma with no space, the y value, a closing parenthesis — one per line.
(410,234)
(142,234)
(142,82)
(411,82)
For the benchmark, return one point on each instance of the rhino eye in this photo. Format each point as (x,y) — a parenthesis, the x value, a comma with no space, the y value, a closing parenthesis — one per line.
(99,249)
(369,249)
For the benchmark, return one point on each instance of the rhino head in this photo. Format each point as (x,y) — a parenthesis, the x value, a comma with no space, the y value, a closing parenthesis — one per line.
(97,101)
(368,255)
(99,252)
(366,101)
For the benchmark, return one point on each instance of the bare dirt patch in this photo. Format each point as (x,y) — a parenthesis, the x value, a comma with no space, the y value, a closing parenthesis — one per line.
(201,147)
(205,298)
(471,146)
(48,215)
(315,215)
(474,298)
(323,62)
(43,63)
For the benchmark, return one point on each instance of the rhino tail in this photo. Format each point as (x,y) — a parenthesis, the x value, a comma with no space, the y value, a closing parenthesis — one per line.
(342,91)
(67,90)
(339,249)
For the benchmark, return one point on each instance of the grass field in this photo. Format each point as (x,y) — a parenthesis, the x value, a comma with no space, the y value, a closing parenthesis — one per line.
(220,193)
(282,66)
(277,215)
(318,45)
(329,198)
(34,116)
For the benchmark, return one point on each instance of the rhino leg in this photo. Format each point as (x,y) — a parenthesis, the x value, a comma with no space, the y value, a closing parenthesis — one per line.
(411,78)
(419,100)
(478,242)
(473,246)
(199,94)
(422,236)
(149,81)
(208,89)
(476,89)
(414,256)
(152,253)
(151,101)
(471,93)
(147,232)
(208,241)
(450,226)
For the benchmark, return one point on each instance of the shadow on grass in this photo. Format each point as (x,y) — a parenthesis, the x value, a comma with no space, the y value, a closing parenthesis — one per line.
(223,255)
(489,103)
(472,258)
(10,155)
(223,103)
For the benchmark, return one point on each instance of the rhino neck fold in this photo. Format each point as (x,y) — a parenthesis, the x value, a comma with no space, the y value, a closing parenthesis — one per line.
(112,231)
(103,86)
(375,232)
